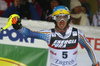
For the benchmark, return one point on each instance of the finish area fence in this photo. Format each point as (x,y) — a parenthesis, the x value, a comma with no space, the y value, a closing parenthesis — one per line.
(18,50)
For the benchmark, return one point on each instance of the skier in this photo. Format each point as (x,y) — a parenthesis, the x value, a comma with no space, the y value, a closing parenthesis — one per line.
(62,40)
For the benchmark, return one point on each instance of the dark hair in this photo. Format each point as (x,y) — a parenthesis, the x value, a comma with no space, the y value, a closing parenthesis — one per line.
(49,8)
(24,2)
(60,3)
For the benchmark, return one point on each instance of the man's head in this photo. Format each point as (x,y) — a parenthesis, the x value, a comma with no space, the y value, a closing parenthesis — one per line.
(54,3)
(20,2)
(75,6)
(61,17)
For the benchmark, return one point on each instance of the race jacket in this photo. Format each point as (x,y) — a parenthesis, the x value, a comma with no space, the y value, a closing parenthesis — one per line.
(63,47)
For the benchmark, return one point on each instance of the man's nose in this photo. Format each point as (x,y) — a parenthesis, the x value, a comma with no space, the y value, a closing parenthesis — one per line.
(62,21)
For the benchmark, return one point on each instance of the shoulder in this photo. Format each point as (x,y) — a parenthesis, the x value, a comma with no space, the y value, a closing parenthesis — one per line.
(73,28)
(78,30)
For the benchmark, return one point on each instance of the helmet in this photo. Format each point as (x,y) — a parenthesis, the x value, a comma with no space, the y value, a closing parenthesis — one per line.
(57,14)
(60,10)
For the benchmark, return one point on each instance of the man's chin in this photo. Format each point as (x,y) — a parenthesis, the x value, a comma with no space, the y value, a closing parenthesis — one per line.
(62,28)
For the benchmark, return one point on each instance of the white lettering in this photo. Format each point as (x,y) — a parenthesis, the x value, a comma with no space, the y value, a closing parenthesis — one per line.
(63,43)
(64,62)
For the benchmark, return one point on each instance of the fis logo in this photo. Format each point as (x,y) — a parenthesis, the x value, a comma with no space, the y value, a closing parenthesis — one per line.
(63,43)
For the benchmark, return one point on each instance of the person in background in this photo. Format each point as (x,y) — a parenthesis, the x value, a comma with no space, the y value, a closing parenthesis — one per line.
(62,39)
(38,7)
(22,8)
(4,4)
(51,5)
(96,19)
(78,14)
(88,9)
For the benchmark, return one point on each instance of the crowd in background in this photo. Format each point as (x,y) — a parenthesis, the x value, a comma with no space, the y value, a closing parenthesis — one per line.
(80,10)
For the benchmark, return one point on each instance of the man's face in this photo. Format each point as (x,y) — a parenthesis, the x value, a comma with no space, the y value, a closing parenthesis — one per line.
(77,9)
(62,24)
(61,20)
(53,4)
(18,1)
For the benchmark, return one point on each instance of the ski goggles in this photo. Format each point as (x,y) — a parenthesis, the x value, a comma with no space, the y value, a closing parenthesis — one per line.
(61,17)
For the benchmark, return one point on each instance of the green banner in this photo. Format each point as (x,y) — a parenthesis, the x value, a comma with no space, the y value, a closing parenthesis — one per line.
(11,55)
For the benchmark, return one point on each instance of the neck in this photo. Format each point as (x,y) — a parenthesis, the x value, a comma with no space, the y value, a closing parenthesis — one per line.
(62,30)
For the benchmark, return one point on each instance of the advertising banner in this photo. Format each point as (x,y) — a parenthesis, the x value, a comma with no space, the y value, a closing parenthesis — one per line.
(18,50)
(12,55)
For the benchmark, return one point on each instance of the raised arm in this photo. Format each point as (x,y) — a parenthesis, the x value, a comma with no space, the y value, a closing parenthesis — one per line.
(15,21)
(43,34)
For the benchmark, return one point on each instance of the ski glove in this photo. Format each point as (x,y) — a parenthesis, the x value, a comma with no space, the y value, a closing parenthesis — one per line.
(95,64)
(16,23)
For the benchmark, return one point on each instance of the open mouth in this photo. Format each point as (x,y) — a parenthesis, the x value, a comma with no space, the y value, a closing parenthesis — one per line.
(61,25)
